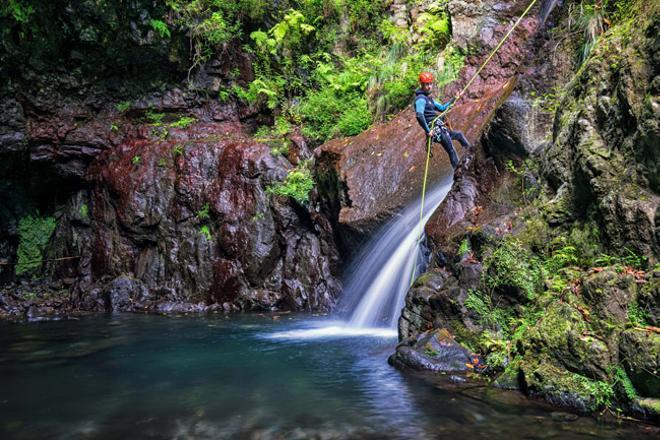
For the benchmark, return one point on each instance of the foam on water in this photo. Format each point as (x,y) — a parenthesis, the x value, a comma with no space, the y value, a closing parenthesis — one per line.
(333,332)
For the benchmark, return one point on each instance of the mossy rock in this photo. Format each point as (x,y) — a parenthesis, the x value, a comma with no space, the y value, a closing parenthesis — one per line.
(563,388)
(610,294)
(649,300)
(565,335)
(639,351)
(649,408)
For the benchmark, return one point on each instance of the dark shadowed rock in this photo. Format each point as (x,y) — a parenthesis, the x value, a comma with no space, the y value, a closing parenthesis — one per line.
(435,350)
(640,352)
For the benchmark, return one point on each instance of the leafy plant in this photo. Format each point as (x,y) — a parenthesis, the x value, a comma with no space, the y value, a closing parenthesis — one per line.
(17,9)
(84,211)
(563,257)
(275,136)
(464,247)
(590,21)
(183,122)
(355,119)
(622,379)
(136,160)
(510,265)
(453,60)
(638,316)
(155,119)
(160,28)
(123,106)
(206,232)
(435,27)
(177,150)
(223,95)
(297,184)
(203,213)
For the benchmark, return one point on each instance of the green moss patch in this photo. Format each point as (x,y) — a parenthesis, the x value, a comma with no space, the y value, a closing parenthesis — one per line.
(34,235)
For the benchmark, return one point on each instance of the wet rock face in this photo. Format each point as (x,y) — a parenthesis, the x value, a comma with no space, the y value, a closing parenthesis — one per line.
(160,218)
(437,300)
(600,148)
(190,214)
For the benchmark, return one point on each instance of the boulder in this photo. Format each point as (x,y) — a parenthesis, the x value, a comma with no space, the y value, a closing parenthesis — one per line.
(436,351)
(640,353)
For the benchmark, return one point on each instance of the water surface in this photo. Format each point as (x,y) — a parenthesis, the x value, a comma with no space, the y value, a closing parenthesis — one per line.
(132,376)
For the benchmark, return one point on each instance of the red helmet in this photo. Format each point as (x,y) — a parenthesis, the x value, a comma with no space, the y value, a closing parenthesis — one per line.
(426,77)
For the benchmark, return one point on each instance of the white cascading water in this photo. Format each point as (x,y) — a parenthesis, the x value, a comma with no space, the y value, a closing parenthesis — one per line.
(380,276)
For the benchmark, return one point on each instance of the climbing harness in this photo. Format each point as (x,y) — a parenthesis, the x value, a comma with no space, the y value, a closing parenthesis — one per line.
(444,113)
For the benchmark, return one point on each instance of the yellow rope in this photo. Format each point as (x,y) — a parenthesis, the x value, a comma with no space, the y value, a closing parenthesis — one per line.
(458,96)
(421,212)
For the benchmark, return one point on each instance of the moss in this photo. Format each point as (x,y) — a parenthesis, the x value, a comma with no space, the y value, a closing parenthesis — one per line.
(650,405)
(536,234)
(34,235)
(565,388)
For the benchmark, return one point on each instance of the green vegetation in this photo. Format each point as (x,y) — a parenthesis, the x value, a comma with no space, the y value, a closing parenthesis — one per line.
(183,122)
(177,150)
(621,379)
(638,316)
(203,213)
(123,106)
(84,211)
(136,160)
(155,119)
(436,27)
(34,235)
(160,27)
(276,136)
(19,10)
(211,23)
(464,247)
(510,266)
(205,231)
(297,184)
(489,315)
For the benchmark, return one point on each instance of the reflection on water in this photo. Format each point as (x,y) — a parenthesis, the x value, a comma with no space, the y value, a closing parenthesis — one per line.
(243,377)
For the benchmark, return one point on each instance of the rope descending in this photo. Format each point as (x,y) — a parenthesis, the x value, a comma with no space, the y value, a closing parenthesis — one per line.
(458,96)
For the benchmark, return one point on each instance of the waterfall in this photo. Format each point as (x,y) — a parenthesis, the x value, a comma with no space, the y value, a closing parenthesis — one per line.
(379,277)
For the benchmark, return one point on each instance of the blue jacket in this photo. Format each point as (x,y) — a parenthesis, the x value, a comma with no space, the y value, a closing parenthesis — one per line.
(426,109)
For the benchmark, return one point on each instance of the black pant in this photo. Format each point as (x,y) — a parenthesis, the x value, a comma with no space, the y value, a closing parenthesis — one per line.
(444,136)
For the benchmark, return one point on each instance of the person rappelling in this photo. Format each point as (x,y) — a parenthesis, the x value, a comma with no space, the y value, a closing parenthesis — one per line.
(426,109)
